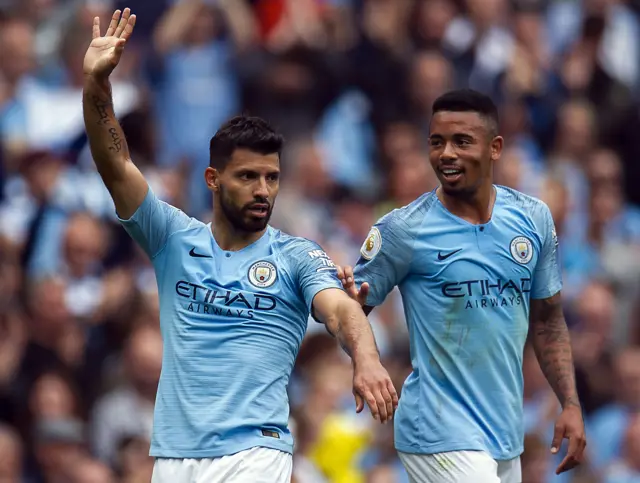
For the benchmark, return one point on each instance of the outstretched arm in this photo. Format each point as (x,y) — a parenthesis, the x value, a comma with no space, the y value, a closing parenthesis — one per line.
(552,345)
(109,148)
(345,320)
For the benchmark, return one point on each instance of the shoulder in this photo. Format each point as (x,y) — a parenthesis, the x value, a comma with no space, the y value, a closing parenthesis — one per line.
(526,206)
(398,229)
(409,216)
(295,250)
(285,243)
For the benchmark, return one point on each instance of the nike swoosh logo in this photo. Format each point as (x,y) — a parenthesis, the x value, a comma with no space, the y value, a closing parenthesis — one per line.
(193,253)
(447,255)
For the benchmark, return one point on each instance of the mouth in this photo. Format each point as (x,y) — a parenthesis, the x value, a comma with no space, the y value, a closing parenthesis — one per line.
(451,174)
(258,210)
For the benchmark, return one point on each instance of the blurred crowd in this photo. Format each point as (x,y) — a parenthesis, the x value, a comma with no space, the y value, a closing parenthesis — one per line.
(350,84)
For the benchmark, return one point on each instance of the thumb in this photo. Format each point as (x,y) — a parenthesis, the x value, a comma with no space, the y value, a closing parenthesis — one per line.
(558,433)
(359,403)
(119,47)
(363,293)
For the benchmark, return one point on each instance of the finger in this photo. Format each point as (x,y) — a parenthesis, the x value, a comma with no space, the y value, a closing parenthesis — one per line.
(115,18)
(388,400)
(394,394)
(96,27)
(124,19)
(348,274)
(128,29)
(382,406)
(359,403)
(570,460)
(363,293)
(558,433)
(568,463)
(340,273)
(373,405)
(119,47)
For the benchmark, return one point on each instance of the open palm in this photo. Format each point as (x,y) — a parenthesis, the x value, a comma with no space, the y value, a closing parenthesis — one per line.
(104,53)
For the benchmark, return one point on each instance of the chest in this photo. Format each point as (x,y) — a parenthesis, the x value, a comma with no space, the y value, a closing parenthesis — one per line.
(468,260)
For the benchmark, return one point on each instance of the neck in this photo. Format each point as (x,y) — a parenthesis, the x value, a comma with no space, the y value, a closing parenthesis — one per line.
(474,208)
(228,237)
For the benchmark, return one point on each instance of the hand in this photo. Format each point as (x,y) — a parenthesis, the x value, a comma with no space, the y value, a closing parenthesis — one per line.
(104,53)
(570,426)
(348,282)
(372,383)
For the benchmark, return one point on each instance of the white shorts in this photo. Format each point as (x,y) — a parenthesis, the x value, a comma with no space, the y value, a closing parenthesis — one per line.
(255,465)
(460,467)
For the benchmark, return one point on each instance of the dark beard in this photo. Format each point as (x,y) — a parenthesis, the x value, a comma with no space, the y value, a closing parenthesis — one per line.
(238,218)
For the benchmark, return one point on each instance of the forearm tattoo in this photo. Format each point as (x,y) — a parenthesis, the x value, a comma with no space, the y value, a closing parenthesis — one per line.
(105,119)
(101,106)
(552,346)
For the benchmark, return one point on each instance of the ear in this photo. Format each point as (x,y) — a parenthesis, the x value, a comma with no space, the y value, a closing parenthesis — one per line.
(496,148)
(212,178)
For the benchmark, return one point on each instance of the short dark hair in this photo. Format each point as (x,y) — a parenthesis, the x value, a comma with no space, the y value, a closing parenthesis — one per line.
(243,132)
(468,100)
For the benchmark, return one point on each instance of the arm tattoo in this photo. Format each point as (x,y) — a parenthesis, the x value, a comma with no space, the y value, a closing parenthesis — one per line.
(101,106)
(116,140)
(552,346)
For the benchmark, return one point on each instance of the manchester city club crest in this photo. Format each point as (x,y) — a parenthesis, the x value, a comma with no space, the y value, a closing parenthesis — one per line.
(262,274)
(521,249)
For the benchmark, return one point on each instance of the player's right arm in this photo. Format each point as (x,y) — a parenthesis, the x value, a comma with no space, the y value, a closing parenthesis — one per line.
(384,261)
(109,149)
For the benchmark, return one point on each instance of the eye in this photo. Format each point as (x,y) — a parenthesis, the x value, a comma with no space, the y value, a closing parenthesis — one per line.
(273,177)
(435,142)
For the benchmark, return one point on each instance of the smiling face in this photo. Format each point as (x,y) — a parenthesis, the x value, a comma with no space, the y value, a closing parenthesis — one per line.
(462,149)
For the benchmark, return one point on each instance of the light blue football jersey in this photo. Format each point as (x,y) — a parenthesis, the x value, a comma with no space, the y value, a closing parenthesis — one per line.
(466,291)
(232,324)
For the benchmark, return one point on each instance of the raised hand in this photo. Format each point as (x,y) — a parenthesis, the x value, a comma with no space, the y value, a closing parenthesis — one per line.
(104,53)
(348,282)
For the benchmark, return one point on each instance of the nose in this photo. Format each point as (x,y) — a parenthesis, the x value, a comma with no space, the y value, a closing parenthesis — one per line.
(261,190)
(448,153)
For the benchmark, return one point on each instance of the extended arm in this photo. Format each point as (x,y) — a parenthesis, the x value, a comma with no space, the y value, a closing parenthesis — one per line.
(109,148)
(345,320)
(552,345)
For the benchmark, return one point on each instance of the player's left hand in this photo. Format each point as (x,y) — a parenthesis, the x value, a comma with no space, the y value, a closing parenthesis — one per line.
(569,425)
(372,383)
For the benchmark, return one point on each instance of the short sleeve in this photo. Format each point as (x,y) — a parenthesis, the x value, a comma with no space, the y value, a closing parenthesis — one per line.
(547,278)
(313,269)
(153,222)
(385,257)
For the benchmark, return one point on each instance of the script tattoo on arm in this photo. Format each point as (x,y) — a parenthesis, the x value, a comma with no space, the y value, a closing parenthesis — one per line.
(116,140)
(552,346)
(101,106)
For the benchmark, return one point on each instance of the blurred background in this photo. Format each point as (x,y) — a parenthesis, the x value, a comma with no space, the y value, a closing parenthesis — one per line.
(350,84)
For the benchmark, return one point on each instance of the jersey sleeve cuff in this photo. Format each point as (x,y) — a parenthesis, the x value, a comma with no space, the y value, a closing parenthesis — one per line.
(315,291)
(548,293)
(149,199)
